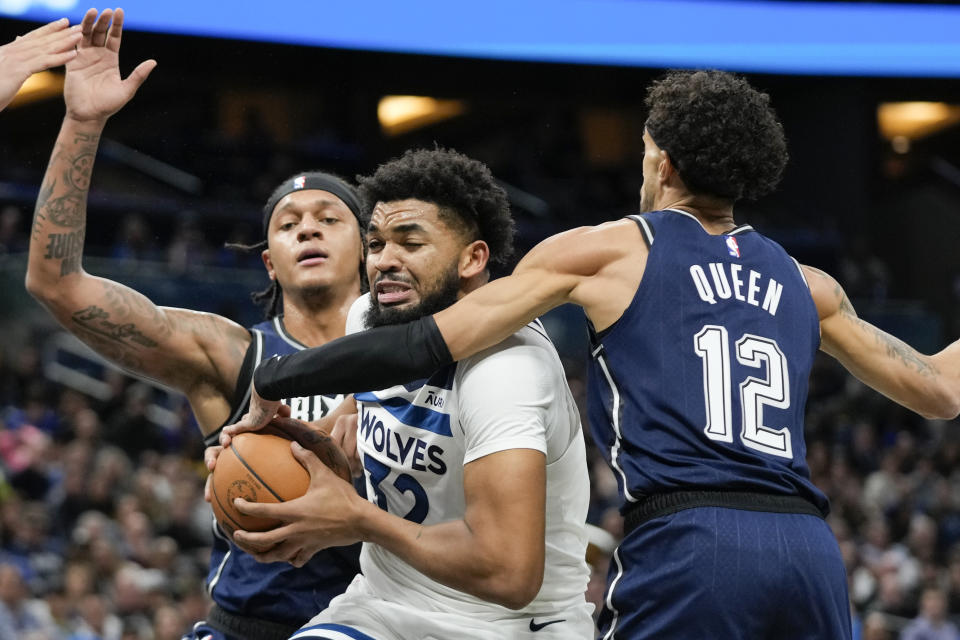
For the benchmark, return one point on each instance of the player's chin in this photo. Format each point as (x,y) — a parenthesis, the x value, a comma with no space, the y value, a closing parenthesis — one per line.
(395,313)
(314,284)
(399,306)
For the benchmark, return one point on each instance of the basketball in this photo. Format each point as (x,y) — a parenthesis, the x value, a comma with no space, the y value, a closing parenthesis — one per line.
(260,467)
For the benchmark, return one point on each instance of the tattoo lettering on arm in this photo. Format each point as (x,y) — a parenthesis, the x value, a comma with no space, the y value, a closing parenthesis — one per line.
(67,247)
(92,138)
(111,350)
(126,303)
(95,320)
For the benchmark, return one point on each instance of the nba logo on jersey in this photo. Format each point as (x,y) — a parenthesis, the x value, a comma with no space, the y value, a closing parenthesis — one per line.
(732,247)
(299,181)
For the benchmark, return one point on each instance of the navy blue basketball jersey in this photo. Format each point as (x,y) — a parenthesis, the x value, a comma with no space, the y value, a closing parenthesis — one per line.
(701,383)
(277,592)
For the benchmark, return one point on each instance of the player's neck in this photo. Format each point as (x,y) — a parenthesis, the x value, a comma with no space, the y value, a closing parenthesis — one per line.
(316,322)
(714,214)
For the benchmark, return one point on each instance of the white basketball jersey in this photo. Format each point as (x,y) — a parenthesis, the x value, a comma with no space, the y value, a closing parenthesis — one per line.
(415,439)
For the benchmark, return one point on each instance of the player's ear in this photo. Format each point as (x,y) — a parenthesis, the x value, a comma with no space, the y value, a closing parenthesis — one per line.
(474,258)
(665,169)
(268,263)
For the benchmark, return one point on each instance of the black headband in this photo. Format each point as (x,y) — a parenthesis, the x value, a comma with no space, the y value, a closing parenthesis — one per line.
(313,180)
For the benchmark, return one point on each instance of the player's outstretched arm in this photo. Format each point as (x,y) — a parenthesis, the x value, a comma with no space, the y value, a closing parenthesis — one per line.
(189,351)
(597,268)
(48,46)
(929,385)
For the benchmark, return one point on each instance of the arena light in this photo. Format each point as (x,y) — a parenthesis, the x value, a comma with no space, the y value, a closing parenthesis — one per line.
(400,114)
(915,120)
(39,86)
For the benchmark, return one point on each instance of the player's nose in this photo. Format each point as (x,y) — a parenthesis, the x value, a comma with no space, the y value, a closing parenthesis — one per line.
(387,259)
(309,228)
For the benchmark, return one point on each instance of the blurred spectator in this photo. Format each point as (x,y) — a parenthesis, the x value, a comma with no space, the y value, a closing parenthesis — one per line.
(22,617)
(13,239)
(169,623)
(188,249)
(875,627)
(96,620)
(130,428)
(932,623)
(135,243)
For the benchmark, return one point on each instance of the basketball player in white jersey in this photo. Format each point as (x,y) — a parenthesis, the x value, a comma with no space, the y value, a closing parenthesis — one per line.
(476,475)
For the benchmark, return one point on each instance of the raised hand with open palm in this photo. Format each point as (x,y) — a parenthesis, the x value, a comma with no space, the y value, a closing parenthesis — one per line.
(93,89)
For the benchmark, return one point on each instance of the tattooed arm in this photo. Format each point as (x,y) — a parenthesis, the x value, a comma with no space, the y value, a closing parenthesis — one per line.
(929,385)
(197,353)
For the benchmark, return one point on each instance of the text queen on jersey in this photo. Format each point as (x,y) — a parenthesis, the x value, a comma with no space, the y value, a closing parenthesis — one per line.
(728,281)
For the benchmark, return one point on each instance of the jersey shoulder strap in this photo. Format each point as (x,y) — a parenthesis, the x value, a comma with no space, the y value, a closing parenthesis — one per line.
(241,394)
(646,229)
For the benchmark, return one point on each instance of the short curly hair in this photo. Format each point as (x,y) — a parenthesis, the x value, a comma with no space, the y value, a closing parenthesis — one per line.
(722,135)
(462,188)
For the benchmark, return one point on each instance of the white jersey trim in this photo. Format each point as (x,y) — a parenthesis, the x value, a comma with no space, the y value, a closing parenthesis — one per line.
(282,332)
(615,413)
(537,444)
(800,269)
(326,634)
(609,598)
(223,563)
(241,408)
(645,228)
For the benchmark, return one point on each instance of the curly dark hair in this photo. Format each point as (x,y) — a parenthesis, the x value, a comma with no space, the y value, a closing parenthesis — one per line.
(722,135)
(463,189)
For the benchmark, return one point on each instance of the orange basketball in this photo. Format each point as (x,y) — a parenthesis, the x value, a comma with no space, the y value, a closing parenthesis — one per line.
(259,467)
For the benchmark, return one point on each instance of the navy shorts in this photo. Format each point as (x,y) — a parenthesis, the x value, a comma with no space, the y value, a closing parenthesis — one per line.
(715,572)
(202,631)
(223,625)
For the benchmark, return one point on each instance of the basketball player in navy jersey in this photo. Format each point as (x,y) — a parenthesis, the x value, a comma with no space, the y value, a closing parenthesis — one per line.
(704,332)
(312,250)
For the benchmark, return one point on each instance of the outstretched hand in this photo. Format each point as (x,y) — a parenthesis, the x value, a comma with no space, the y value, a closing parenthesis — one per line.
(326,515)
(258,414)
(93,89)
(48,46)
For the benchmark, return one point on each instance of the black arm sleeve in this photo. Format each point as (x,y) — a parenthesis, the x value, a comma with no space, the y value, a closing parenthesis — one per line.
(365,361)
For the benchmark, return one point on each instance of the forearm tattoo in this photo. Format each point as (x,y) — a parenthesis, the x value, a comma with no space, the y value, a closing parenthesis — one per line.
(845,306)
(61,203)
(901,351)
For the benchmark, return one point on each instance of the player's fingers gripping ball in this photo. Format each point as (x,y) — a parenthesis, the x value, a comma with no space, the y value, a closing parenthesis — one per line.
(260,467)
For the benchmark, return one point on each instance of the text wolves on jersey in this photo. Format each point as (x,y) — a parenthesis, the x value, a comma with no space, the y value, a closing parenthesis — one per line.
(393,445)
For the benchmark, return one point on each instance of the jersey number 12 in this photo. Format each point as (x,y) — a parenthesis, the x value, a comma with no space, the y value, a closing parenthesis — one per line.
(712,344)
